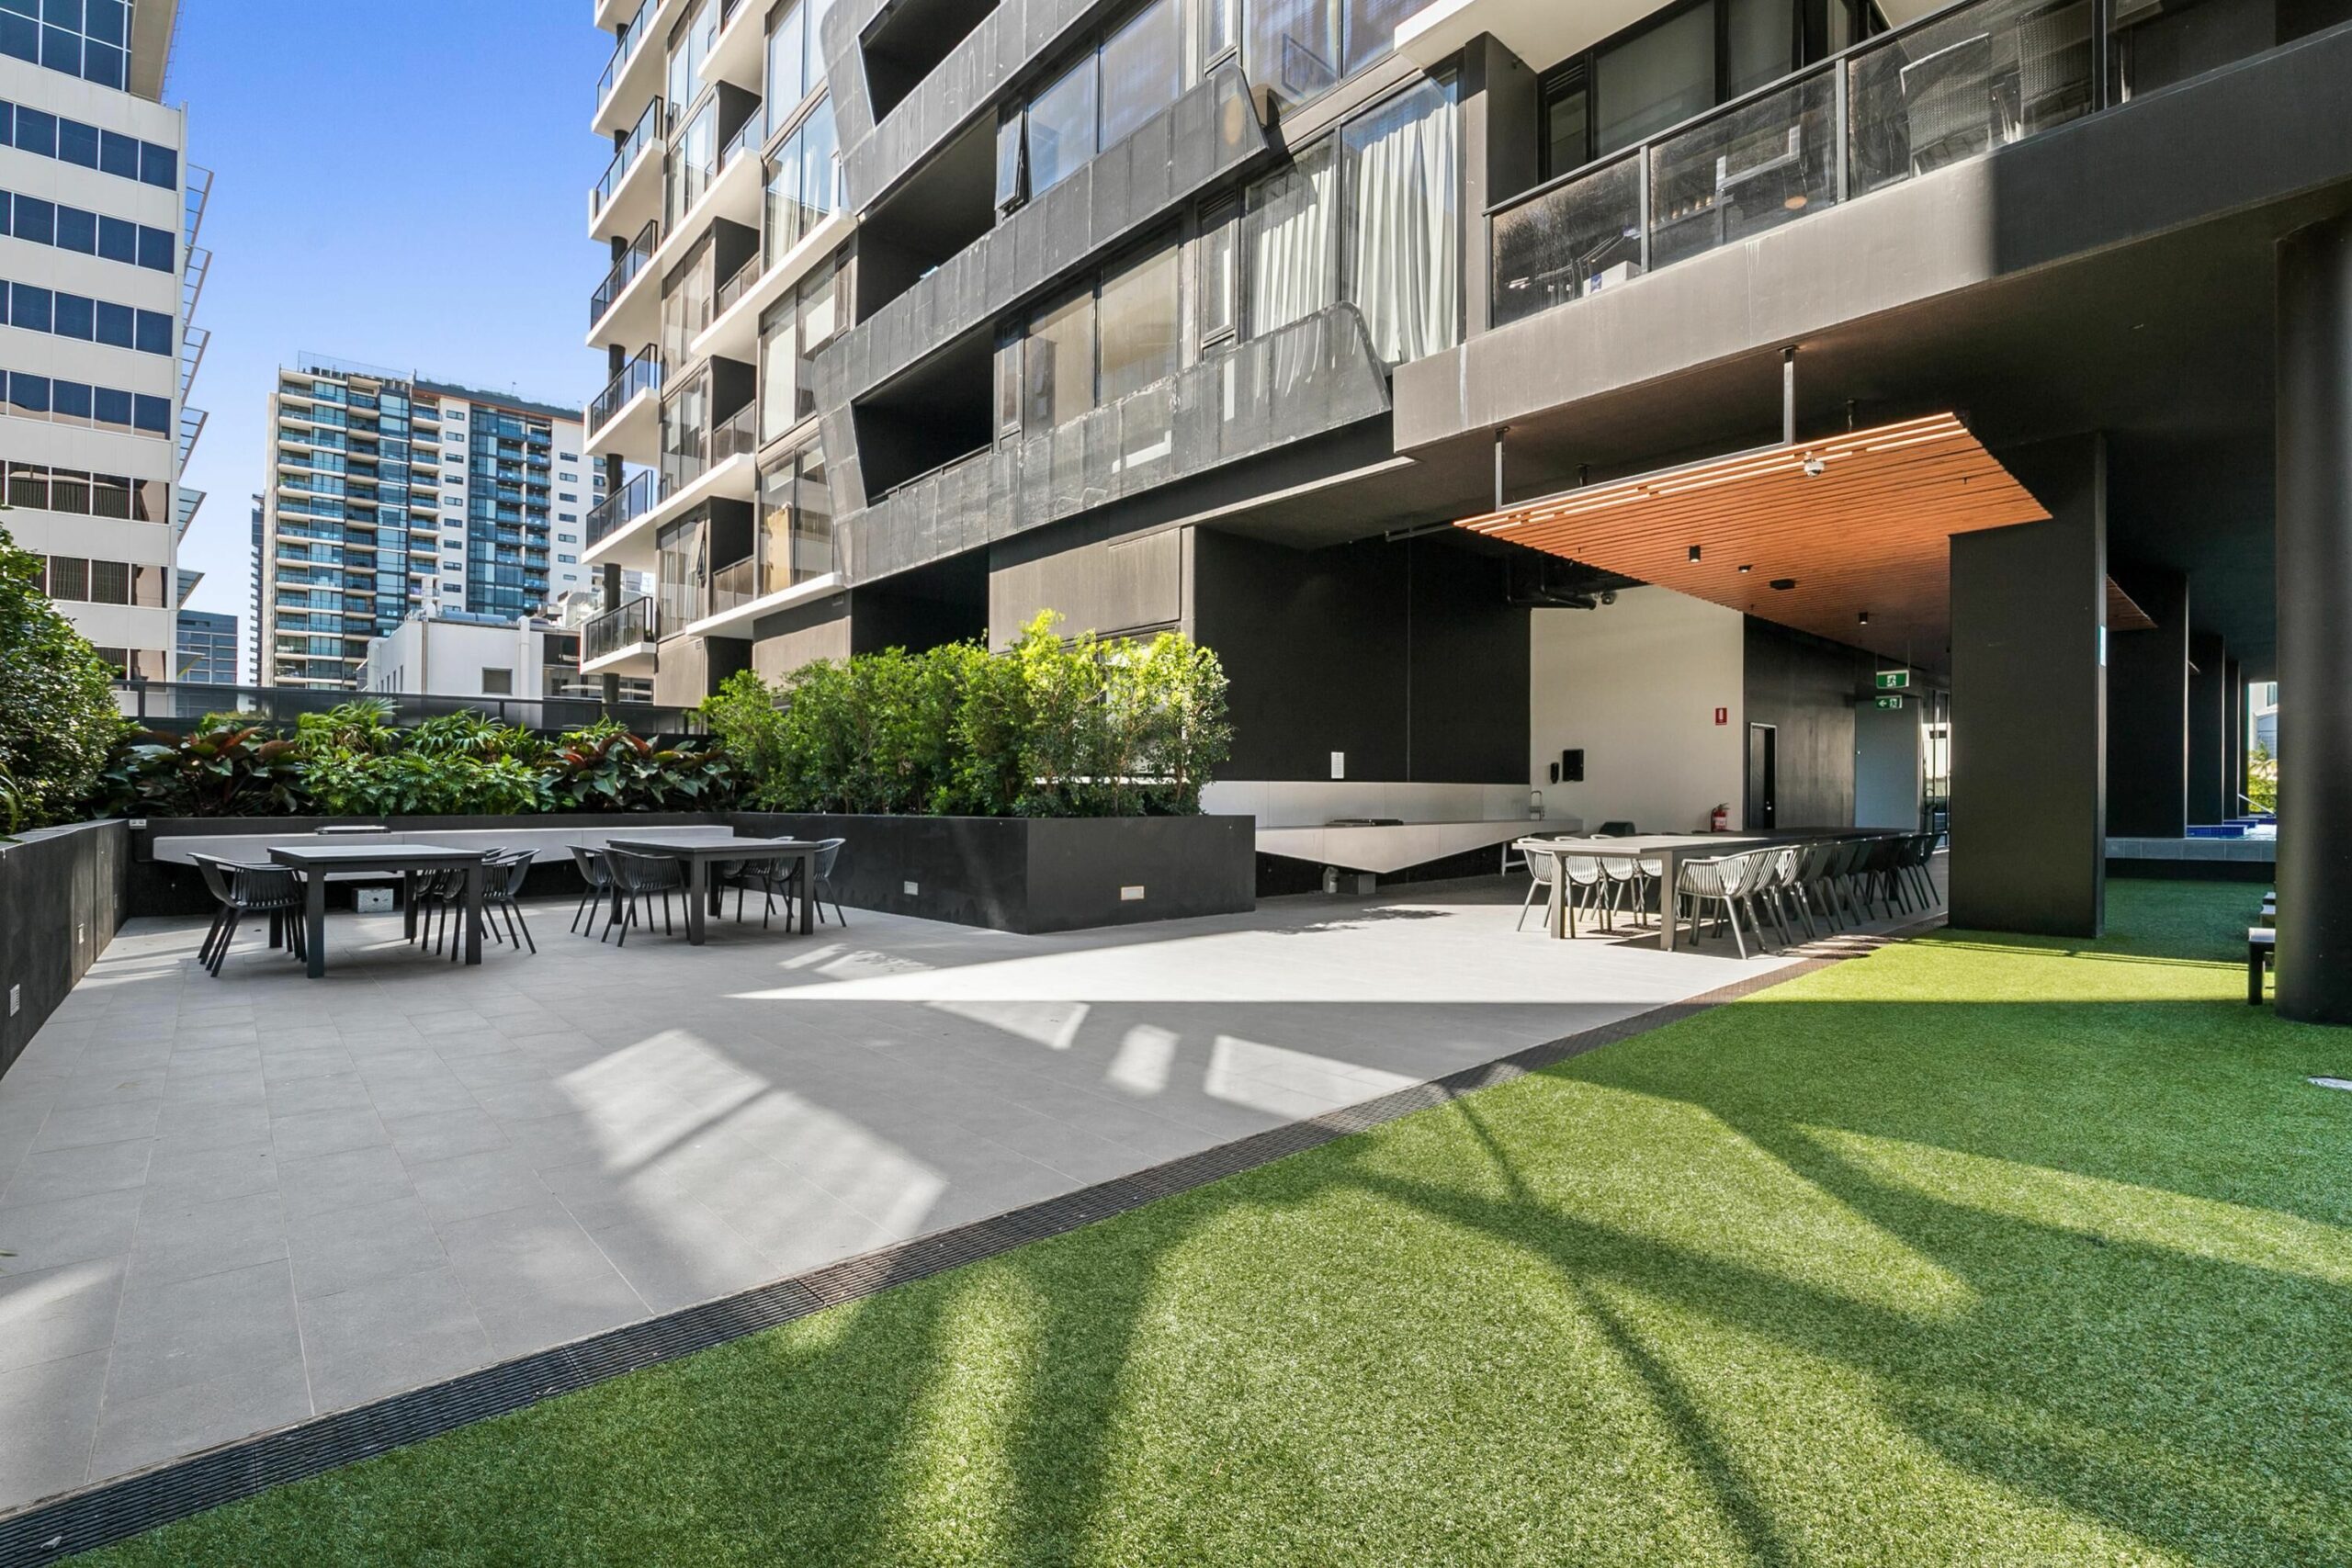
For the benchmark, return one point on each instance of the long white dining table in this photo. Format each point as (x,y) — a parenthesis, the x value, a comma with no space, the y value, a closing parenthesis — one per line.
(1669,848)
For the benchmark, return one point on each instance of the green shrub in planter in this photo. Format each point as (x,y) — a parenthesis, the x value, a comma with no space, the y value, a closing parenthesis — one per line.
(1085,728)
(58,717)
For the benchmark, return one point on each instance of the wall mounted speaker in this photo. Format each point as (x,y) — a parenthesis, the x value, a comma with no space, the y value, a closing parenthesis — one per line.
(1572,766)
(1556,772)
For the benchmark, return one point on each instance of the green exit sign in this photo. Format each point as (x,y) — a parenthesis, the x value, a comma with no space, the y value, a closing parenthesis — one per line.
(1894,680)
(1889,701)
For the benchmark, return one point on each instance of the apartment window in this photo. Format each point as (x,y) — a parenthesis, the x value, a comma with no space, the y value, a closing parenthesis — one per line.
(1057,363)
(69,580)
(1220,28)
(689,48)
(89,39)
(56,401)
(569,456)
(1143,70)
(569,560)
(1061,126)
(791,331)
(1568,120)
(1370,216)
(681,567)
(1219,283)
(1140,329)
(1300,47)
(497,682)
(795,519)
(569,479)
(1657,78)
(804,184)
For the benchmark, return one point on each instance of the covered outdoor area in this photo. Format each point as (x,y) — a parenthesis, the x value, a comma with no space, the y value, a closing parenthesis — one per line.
(235,1202)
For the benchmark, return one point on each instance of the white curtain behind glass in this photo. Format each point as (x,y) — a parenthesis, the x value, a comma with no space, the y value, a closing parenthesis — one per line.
(1403,241)
(1290,242)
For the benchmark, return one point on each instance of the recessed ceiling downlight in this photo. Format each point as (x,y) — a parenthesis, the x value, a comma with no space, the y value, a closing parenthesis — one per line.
(1782,584)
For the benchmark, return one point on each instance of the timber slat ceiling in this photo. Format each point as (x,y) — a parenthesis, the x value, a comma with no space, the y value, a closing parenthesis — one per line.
(1868,534)
(2123,611)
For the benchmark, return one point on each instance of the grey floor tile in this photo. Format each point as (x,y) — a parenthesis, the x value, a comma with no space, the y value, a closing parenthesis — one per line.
(185,1232)
(325,1133)
(684,1255)
(80,1126)
(338,1248)
(204,1170)
(317,1096)
(465,1186)
(136,1430)
(404,1098)
(52,1416)
(108,1089)
(48,1314)
(536,1278)
(202,1124)
(46,1175)
(69,1230)
(353,1178)
(389,1336)
(191,1331)
(446,1134)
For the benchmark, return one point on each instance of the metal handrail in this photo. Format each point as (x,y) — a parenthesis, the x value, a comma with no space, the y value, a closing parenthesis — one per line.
(641,373)
(1840,67)
(631,623)
(625,271)
(634,146)
(631,38)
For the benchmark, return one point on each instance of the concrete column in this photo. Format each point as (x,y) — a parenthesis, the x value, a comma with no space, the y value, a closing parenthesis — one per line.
(2315,602)
(2029,705)
(609,597)
(2147,710)
(2208,723)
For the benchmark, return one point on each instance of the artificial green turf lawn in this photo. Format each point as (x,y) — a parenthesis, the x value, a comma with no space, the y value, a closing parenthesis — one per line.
(1977,1250)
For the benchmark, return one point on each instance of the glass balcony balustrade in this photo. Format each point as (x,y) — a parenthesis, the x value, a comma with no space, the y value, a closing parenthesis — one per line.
(629,625)
(632,261)
(641,138)
(1965,81)
(641,373)
(624,506)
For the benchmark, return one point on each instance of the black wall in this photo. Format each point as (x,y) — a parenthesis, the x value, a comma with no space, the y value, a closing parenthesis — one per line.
(2208,725)
(1805,687)
(1405,656)
(2147,710)
(61,899)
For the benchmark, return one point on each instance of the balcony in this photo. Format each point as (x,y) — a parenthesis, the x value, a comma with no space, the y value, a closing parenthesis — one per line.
(738,435)
(1310,377)
(1202,136)
(626,271)
(623,415)
(1964,82)
(624,506)
(734,329)
(620,641)
(780,572)
(625,198)
(622,74)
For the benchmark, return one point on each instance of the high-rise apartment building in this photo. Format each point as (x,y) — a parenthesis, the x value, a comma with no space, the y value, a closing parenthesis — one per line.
(722,215)
(1797,413)
(100,274)
(389,491)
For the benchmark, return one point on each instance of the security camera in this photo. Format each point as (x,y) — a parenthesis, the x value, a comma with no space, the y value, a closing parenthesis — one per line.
(1609,596)
(1815,468)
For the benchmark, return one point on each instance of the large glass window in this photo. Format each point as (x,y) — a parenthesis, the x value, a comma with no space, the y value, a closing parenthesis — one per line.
(689,48)
(1139,323)
(1402,255)
(1295,47)
(1219,285)
(779,363)
(1143,70)
(1057,365)
(1655,79)
(1061,126)
(795,521)
(788,58)
(819,321)
(1567,115)
(1290,236)
(680,566)
(804,182)
(1761,38)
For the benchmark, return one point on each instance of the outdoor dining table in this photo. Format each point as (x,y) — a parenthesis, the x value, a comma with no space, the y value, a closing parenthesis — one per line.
(1669,848)
(314,860)
(703,888)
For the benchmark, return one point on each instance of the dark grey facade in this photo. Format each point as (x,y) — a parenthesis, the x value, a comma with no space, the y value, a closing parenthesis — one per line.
(1173,314)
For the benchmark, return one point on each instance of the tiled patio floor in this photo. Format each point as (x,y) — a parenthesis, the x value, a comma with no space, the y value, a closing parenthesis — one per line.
(235,1204)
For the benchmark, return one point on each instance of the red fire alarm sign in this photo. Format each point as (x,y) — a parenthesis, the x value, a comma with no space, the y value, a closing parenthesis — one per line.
(1723,716)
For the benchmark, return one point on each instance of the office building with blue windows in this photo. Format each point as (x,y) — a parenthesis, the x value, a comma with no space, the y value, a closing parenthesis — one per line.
(389,491)
(207,648)
(100,274)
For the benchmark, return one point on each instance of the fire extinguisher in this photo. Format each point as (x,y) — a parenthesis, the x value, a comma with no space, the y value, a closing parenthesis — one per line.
(1719,819)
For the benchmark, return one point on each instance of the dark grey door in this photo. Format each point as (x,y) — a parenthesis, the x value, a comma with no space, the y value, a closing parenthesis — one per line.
(1763,803)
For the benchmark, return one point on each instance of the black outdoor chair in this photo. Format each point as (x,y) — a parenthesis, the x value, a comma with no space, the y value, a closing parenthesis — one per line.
(244,890)
(501,887)
(640,879)
(598,877)
(771,883)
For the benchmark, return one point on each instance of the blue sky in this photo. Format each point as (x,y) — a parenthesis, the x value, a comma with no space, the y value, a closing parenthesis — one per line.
(398,182)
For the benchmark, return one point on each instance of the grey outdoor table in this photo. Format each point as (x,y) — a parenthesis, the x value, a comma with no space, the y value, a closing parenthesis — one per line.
(701,888)
(1669,848)
(314,859)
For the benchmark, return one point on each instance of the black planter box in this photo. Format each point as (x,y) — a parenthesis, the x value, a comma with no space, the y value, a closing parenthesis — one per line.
(1006,872)
(1015,873)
